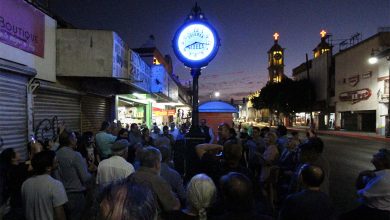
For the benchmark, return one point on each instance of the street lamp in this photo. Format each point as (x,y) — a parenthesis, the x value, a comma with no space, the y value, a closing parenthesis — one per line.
(217,94)
(375,56)
(373,60)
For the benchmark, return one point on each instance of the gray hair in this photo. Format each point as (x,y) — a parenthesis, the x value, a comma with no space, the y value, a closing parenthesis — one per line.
(150,156)
(120,153)
(201,193)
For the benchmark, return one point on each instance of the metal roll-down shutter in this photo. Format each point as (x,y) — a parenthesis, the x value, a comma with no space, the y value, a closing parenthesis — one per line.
(52,107)
(94,110)
(13,113)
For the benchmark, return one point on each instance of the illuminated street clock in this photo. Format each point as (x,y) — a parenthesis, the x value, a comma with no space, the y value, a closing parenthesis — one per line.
(196,42)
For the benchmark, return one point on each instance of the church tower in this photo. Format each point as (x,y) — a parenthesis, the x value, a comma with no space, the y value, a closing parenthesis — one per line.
(323,46)
(276,61)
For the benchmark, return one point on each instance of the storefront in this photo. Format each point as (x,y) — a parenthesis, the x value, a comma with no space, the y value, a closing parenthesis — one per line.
(302,119)
(358,121)
(24,55)
(133,109)
(162,116)
(183,115)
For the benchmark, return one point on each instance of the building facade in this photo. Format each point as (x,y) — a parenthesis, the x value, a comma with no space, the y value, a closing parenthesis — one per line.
(320,71)
(362,89)
(24,55)
(51,73)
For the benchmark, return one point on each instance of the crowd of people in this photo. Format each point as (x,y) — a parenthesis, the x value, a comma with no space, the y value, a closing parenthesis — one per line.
(132,172)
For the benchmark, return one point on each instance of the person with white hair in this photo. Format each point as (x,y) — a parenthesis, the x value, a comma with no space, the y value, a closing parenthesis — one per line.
(201,194)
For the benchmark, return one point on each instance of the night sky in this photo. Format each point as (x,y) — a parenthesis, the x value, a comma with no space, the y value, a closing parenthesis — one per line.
(245,28)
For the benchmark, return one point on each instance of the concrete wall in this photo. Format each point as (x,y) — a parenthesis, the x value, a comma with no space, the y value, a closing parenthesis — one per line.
(87,53)
(354,62)
(46,66)
(319,75)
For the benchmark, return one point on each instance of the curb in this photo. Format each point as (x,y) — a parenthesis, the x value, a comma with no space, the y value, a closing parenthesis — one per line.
(345,134)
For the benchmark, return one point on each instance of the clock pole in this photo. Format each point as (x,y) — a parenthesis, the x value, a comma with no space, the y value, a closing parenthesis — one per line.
(195,44)
(195,72)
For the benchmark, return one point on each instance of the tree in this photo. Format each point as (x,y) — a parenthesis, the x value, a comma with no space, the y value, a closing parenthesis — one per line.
(286,97)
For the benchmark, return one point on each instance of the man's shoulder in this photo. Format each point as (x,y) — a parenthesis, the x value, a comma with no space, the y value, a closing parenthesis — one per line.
(40,180)
(174,173)
(147,176)
(100,134)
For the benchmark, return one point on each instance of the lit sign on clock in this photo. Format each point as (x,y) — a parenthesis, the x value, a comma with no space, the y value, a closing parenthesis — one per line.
(196,44)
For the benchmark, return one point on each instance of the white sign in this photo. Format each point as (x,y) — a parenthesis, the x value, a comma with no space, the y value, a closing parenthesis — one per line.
(139,71)
(120,64)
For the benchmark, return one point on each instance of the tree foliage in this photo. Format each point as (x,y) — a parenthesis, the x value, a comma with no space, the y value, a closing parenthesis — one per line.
(287,96)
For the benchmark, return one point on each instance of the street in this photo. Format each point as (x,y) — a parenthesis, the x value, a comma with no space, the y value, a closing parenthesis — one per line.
(347,157)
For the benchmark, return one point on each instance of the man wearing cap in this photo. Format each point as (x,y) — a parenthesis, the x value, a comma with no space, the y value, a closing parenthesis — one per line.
(116,167)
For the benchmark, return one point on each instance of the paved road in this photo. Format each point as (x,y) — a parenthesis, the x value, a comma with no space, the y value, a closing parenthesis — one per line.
(347,157)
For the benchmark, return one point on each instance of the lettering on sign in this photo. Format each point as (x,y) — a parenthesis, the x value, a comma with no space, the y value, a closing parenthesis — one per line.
(367,75)
(355,96)
(353,81)
(22,26)
(139,72)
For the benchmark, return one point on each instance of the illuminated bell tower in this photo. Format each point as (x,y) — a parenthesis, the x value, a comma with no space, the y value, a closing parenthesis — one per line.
(276,61)
(323,46)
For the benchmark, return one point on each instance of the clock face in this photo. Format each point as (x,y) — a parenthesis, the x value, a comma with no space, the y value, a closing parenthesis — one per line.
(196,42)
(278,56)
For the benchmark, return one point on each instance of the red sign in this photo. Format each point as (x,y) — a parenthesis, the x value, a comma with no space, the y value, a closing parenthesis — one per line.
(163,112)
(355,96)
(171,112)
(22,26)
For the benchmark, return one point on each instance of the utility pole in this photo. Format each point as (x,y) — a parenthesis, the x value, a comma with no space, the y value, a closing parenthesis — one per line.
(310,106)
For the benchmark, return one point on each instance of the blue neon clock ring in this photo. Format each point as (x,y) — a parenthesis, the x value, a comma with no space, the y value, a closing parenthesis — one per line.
(196,44)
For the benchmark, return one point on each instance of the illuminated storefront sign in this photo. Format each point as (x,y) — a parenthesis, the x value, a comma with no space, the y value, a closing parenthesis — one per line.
(22,26)
(163,112)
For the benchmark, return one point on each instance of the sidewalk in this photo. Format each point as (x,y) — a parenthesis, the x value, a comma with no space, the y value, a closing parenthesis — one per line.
(352,134)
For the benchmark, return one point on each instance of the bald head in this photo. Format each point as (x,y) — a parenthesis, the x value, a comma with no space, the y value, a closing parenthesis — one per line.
(312,176)
(237,191)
